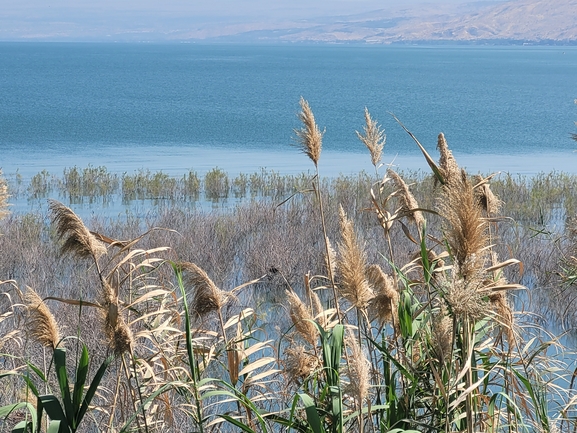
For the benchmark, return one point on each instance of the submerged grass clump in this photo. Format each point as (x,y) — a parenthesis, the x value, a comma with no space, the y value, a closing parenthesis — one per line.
(413,321)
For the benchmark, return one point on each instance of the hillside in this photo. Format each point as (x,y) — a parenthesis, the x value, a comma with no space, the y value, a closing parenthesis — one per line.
(538,21)
(485,21)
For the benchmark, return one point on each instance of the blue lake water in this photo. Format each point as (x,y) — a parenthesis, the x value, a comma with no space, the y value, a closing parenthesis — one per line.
(187,106)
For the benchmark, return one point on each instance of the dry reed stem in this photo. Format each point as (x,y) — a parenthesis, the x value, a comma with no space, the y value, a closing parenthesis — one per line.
(77,238)
(408,201)
(316,306)
(384,306)
(330,258)
(41,324)
(353,286)
(302,318)
(309,137)
(234,355)
(447,163)
(373,137)
(207,296)
(3,197)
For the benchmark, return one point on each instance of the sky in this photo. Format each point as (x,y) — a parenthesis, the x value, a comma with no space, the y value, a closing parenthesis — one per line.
(207,8)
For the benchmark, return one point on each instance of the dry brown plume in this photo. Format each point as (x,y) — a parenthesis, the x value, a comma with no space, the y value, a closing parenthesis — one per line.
(465,299)
(359,370)
(40,322)
(352,264)
(77,238)
(464,226)
(384,306)
(442,333)
(207,296)
(299,364)
(309,137)
(120,337)
(408,201)
(118,333)
(302,318)
(373,137)
(447,163)
(489,201)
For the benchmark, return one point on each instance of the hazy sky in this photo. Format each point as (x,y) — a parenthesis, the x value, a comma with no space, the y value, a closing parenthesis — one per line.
(66,19)
(207,8)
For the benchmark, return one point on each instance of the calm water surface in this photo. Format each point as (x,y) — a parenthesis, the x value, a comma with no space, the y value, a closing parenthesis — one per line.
(187,106)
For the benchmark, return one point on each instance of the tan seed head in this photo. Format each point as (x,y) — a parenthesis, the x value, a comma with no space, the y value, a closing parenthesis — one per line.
(309,137)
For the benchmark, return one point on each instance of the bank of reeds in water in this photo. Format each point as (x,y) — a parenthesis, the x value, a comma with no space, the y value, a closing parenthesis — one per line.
(406,324)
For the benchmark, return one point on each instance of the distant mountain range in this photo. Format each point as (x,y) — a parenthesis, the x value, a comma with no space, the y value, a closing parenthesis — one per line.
(521,21)
(487,21)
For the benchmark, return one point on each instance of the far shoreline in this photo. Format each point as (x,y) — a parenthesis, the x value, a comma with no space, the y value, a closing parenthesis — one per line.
(175,160)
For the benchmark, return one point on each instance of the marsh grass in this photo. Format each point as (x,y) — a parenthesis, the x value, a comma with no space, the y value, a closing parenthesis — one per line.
(357,303)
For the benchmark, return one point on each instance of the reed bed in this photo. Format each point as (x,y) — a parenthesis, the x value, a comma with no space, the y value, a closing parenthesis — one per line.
(390,302)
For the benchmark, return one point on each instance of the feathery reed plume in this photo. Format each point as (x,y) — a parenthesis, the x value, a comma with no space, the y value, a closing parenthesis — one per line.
(409,203)
(207,296)
(3,197)
(447,163)
(309,137)
(465,299)
(40,322)
(373,137)
(384,306)
(299,364)
(118,333)
(359,370)
(354,286)
(465,228)
(489,201)
(302,318)
(77,238)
